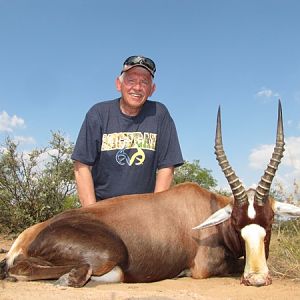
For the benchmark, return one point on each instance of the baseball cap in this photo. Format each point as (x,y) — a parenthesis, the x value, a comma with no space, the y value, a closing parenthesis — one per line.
(139,61)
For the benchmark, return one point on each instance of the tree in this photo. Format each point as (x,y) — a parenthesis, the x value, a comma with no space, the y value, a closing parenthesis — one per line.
(192,172)
(35,186)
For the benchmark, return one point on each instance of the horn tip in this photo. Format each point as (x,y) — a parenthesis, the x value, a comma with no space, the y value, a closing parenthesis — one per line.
(279,105)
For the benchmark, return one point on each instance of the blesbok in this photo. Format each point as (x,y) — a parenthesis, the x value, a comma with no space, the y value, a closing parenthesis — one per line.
(150,237)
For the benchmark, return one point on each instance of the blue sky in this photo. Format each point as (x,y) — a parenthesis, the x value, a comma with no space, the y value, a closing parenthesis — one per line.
(59,57)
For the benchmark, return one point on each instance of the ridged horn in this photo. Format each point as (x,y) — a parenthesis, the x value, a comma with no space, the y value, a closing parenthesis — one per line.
(236,186)
(264,185)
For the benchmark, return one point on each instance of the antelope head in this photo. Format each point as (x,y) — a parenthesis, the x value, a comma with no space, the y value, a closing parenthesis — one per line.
(251,213)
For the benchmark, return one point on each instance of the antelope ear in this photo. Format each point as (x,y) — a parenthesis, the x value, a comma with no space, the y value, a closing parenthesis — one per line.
(286,209)
(218,217)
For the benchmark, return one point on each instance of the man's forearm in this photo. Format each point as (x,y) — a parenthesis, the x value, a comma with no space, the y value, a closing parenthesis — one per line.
(164,179)
(85,185)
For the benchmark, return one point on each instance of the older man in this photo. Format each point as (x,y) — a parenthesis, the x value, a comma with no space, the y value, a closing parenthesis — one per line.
(128,145)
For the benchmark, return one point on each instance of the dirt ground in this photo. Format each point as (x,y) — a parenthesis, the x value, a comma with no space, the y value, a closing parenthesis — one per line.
(177,289)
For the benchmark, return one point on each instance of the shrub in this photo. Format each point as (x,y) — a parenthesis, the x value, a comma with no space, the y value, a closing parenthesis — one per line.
(192,172)
(35,186)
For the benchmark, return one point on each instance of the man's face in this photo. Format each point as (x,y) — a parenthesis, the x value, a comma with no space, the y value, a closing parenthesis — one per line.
(136,87)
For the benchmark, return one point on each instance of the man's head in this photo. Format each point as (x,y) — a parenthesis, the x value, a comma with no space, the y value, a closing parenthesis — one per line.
(135,84)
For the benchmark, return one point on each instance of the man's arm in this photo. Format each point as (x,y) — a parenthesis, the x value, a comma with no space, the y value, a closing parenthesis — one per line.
(85,184)
(164,179)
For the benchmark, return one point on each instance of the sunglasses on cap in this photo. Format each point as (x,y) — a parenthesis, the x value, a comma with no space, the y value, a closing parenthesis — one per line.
(139,61)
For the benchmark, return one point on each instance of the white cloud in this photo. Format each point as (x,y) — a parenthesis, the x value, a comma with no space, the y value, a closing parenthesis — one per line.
(24,140)
(289,170)
(267,93)
(8,123)
(43,158)
(3,150)
(292,155)
(260,156)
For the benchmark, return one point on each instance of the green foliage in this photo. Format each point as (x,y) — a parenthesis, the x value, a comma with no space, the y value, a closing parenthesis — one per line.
(192,172)
(35,186)
(71,201)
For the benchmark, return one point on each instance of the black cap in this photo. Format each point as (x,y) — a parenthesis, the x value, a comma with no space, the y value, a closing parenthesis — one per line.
(139,61)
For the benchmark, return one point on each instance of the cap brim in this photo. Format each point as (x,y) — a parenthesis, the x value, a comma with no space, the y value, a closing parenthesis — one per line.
(127,67)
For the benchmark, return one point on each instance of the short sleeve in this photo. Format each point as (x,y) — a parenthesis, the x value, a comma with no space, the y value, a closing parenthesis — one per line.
(87,145)
(169,152)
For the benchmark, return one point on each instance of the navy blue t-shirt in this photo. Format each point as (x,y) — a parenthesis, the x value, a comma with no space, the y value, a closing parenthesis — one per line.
(125,152)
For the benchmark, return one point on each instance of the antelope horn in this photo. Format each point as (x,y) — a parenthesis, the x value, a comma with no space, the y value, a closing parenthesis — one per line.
(236,186)
(264,185)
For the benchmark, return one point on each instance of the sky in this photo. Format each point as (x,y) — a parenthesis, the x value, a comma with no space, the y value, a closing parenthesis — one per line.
(60,57)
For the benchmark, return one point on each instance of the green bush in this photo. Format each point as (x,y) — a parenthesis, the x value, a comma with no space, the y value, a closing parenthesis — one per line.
(192,172)
(35,186)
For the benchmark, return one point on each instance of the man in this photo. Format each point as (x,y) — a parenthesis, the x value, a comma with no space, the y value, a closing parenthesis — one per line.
(128,145)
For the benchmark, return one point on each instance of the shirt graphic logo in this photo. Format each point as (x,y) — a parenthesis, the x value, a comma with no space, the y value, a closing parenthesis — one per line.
(123,141)
(137,158)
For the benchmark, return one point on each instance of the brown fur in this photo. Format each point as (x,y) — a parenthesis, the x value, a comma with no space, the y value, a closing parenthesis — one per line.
(149,236)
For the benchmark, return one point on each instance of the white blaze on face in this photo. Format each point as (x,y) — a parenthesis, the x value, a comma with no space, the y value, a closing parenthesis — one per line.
(256,264)
(251,210)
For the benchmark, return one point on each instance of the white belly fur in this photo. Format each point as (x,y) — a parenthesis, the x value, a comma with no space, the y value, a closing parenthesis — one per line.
(113,276)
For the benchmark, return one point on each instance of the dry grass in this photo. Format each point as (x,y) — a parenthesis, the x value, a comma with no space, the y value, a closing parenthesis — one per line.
(284,260)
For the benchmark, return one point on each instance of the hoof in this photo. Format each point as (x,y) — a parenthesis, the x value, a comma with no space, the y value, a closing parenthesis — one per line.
(77,277)
(11,279)
(256,279)
(63,280)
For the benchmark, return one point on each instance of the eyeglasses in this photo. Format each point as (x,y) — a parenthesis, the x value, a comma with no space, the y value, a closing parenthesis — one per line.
(140,60)
(133,82)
